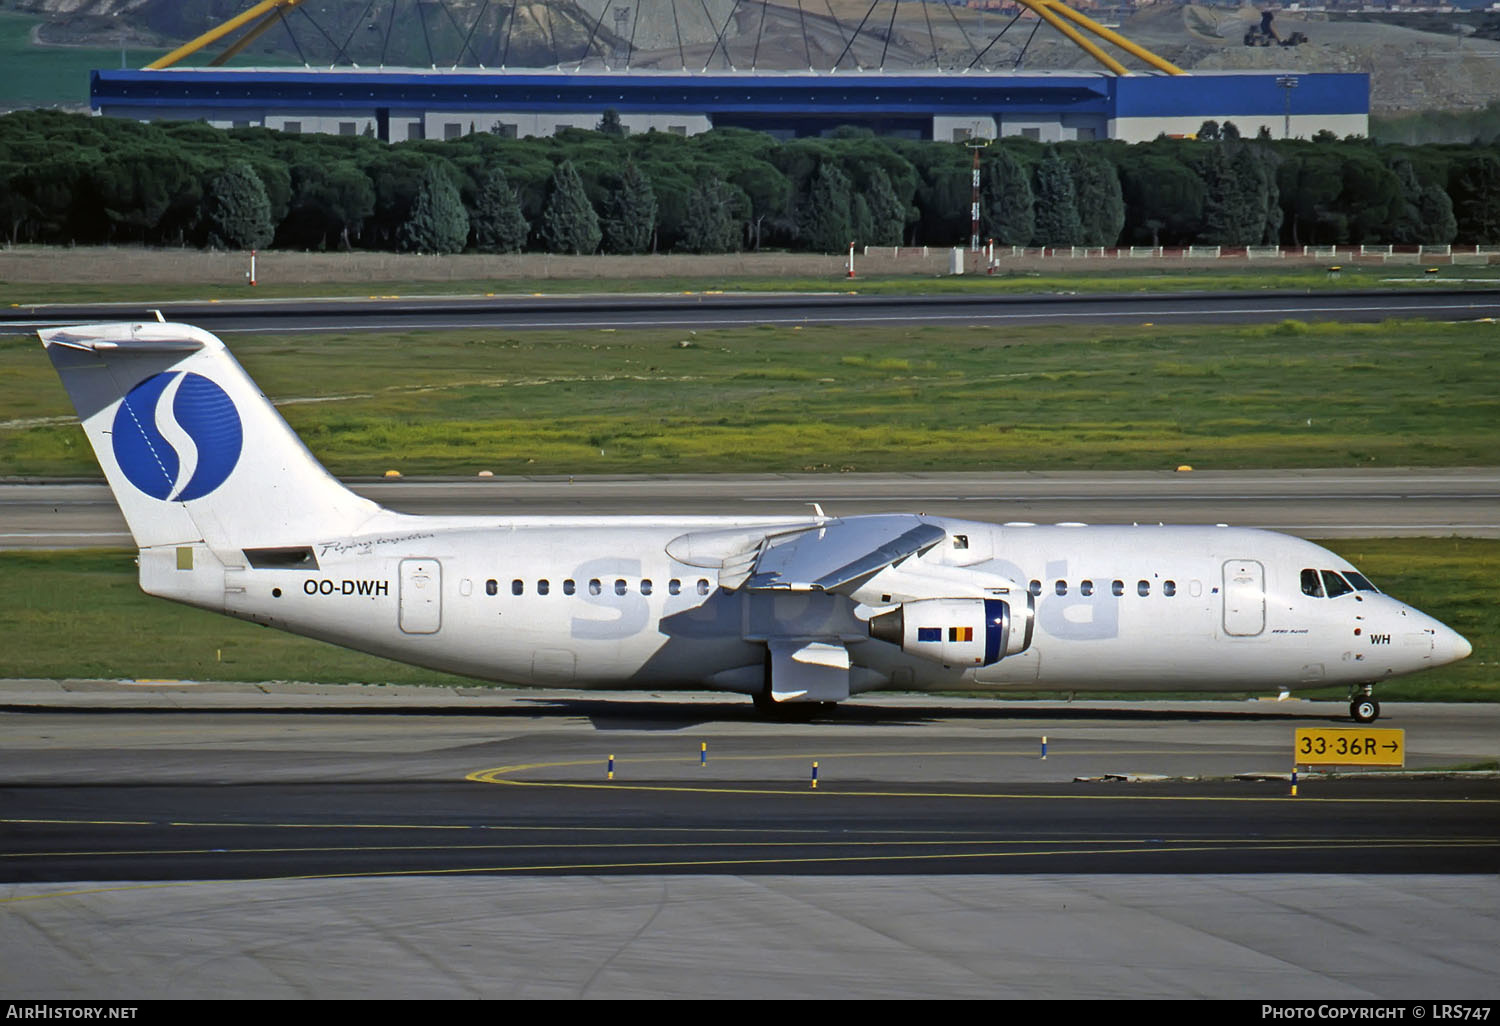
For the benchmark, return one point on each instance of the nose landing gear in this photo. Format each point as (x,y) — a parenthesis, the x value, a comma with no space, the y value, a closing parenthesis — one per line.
(1362,705)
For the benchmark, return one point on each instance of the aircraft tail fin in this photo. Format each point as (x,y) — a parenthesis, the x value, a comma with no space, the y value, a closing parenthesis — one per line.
(192,448)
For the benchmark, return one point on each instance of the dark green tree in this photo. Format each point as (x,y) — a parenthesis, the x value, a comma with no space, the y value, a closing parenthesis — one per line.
(629,222)
(438,222)
(496,222)
(1268,159)
(1057,221)
(609,124)
(824,220)
(1096,191)
(860,221)
(236,211)
(711,224)
(329,205)
(569,224)
(1426,216)
(887,212)
(145,193)
(1436,211)
(1007,209)
(1371,195)
(1234,205)
(1311,181)
(1474,186)
(1164,197)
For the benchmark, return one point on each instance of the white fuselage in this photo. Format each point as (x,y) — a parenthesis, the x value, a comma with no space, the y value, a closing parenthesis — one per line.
(599,602)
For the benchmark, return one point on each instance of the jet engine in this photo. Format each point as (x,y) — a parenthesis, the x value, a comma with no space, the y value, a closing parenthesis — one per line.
(958,632)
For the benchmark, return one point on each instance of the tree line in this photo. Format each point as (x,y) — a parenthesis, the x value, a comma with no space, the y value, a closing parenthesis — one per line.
(73,179)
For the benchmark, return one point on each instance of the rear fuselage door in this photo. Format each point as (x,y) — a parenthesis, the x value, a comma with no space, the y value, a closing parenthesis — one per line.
(1244,597)
(421,596)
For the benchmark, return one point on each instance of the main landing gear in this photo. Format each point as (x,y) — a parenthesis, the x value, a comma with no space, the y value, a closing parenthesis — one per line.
(1362,705)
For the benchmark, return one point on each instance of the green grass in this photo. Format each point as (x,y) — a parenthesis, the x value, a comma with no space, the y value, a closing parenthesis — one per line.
(58,76)
(1087,279)
(827,398)
(111,630)
(80,614)
(47,75)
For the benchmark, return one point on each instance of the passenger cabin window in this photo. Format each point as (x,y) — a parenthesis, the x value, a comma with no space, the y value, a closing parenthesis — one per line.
(674,587)
(646,586)
(702,586)
(569,587)
(1143,588)
(543,587)
(620,587)
(1335,584)
(595,587)
(1169,588)
(960,541)
(1086,587)
(517,587)
(1312,584)
(1117,588)
(1061,587)
(1036,588)
(492,587)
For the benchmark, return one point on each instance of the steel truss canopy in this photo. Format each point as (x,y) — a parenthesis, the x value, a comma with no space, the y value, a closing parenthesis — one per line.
(488,34)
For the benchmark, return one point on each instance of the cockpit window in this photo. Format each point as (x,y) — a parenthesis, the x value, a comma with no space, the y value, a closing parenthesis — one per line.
(1336,584)
(1312,584)
(1360,581)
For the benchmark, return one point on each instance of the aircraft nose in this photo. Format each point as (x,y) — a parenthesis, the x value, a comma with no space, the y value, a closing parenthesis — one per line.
(1449,646)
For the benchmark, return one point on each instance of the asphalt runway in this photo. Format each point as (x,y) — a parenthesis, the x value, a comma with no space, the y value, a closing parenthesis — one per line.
(285,840)
(707,310)
(1312,503)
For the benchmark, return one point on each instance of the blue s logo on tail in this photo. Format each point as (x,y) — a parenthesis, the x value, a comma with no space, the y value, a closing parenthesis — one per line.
(177,436)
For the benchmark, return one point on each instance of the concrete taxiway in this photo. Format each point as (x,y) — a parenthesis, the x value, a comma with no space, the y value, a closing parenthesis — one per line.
(208,840)
(714,309)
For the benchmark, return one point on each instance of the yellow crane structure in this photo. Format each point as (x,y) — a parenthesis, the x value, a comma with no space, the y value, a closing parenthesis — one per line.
(1053,12)
(1059,15)
(269,12)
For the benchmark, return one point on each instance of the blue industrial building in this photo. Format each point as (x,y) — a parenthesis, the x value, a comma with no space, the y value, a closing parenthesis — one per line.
(400,104)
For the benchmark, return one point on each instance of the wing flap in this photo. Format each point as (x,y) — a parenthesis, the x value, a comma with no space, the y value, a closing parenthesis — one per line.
(809,671)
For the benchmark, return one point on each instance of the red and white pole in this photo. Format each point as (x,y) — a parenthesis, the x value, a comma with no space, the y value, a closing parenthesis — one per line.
(974,208)
(252,267)
(851,259)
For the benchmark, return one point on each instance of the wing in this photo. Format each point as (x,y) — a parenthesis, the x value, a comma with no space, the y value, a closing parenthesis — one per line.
(840,553)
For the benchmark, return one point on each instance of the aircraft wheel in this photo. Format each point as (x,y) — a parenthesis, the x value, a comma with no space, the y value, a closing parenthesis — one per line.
(1364,710)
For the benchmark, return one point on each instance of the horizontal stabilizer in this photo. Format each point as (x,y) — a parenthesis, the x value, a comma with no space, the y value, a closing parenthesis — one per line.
(72,338)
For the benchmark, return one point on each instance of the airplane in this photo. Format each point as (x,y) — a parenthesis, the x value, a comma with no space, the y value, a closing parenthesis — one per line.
(232,513)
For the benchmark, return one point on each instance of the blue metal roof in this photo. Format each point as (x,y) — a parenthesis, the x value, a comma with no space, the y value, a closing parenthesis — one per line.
(707,93)
(1218,95)
(865,94)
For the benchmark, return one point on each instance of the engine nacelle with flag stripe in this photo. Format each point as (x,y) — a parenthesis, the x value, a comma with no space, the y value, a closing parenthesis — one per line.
(955,632)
